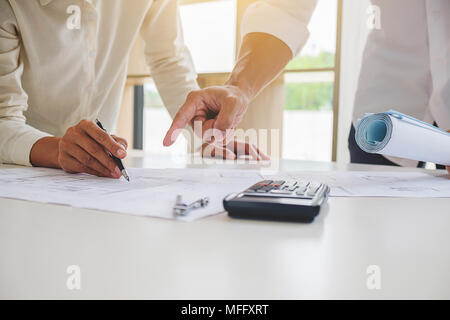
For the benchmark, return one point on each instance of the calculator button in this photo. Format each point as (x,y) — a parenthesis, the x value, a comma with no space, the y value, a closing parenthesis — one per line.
(315,185)
(265,189)
(278,191)
(300,191)
(258,186)
(264,183)
(303,184)
(312,189)
(277,184)
(289,184)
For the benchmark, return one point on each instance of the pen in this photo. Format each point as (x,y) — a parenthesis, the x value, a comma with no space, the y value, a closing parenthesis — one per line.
(116,160)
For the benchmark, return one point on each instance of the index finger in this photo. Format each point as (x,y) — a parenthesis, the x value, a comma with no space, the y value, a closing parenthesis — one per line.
(104,139)
(181,119)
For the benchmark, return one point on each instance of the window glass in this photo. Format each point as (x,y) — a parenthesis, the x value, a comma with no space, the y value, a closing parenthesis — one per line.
(210,34)
(320,48)
(156,122)
(308,116)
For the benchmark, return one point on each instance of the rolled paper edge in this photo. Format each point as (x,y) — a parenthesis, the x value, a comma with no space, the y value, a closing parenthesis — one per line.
(362,126)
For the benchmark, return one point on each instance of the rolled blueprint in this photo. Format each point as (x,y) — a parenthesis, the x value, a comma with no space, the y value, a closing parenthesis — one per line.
(398,135)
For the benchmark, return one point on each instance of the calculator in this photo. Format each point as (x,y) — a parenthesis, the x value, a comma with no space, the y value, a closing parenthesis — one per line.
(278,200)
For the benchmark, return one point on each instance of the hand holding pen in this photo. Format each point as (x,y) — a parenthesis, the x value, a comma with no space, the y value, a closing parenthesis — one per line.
(86,148)
(116,160)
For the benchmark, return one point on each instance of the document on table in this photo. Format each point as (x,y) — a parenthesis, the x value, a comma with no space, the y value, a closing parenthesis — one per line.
(151,192)
(377,184)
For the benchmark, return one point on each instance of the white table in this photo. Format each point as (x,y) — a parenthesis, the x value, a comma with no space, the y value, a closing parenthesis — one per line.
(124,256)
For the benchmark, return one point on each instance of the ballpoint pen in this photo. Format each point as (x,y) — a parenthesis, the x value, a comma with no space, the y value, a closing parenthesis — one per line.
(116,160)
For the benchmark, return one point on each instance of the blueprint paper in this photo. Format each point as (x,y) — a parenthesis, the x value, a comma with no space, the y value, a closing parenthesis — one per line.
(395,134)
(151,192)
(376,183)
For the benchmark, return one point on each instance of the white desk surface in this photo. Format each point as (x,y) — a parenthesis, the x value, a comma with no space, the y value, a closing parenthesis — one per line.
(123,256)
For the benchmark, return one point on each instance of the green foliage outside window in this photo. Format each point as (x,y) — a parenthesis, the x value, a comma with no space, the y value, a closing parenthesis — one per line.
(299,96)
(152,98)
(322,60)
(310,96)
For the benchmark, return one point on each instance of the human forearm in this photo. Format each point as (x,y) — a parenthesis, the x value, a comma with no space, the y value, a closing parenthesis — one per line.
(44,152)
(273,32)
(175,77)
(261,58)
(168,57)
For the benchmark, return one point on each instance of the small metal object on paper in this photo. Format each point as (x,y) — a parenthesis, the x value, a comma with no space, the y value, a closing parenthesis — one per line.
(182,209)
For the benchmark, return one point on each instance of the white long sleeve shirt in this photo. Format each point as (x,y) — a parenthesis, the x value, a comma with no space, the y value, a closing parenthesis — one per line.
(62,61)
(285,19)
(406,63)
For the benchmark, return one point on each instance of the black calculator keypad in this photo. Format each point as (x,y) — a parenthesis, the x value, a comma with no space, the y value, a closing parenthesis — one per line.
(285,188)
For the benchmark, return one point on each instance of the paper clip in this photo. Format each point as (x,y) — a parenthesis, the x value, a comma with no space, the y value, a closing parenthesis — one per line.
(182,209)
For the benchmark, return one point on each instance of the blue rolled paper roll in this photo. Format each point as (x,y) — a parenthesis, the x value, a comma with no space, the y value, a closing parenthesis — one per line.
(373,132)
(395,134)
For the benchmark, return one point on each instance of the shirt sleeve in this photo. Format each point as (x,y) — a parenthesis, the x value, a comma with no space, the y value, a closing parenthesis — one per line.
(169,59)
(285,19)
(16,137)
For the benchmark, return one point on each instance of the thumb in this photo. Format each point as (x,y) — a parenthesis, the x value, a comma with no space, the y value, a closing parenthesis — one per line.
(226,119)
(227,115)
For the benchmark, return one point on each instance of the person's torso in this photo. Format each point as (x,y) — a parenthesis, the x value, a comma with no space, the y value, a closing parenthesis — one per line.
(75,57)
(406,63)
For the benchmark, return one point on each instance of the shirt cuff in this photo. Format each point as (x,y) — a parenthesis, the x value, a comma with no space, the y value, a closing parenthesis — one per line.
(262,17)
(20,153)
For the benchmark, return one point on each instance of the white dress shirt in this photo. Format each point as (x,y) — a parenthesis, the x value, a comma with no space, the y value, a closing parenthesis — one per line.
(63,61)
(285,19)
(406,63)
